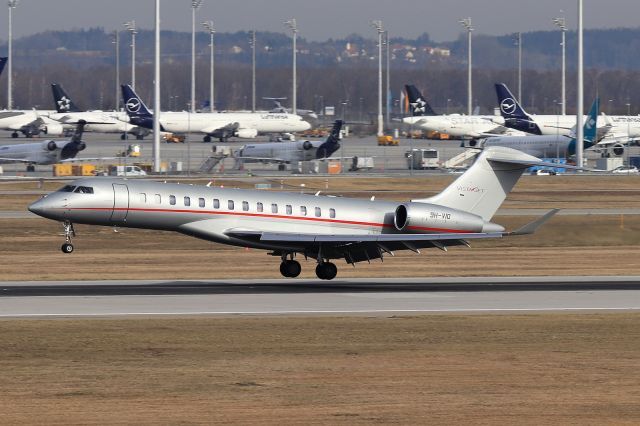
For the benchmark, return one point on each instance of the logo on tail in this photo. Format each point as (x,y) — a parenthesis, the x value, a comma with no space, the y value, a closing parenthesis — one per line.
(508,106)
(132,105)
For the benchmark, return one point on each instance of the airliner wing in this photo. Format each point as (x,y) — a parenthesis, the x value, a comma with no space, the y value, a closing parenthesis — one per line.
(17,160)
(262,159)
(360,238)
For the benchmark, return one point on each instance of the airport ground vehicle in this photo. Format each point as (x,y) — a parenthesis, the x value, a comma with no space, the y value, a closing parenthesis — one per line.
(387,140)
(626,170)
(421,158)
(126,171)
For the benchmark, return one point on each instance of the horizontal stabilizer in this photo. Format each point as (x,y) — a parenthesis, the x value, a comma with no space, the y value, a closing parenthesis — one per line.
(532,227)
(546,164)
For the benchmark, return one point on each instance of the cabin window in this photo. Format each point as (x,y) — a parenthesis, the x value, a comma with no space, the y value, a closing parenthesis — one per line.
(201,202)
(303,210)
(216,203)
(230,205)
(274,208)
(332,213)
(289,209)
(158,199)
(172,200)
(187,201)
(260,207)
(143,198)
(245,206)
(318,212)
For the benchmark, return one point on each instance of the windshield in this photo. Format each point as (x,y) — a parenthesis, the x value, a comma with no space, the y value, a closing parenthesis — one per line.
(67,188)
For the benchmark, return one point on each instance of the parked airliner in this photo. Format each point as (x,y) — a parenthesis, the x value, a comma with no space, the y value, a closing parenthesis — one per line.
(321,228)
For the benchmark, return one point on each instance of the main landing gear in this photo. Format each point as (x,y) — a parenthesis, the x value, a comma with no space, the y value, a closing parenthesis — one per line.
(69,232)
(326,270)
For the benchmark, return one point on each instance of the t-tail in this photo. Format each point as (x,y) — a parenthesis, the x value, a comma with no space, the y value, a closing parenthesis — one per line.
(3,62)
(418,104)
(482,189)
(332,144)
(137,111)
(515,116)
(75,144)
(62,101)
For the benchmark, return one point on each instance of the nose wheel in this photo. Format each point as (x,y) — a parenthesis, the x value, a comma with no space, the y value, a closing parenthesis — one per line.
(69,232)
(326,271)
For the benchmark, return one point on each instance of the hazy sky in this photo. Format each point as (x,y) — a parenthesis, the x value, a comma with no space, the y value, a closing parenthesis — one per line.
(322,19)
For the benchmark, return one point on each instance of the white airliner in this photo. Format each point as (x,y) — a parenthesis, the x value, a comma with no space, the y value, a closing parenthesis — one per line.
(516,117)
(45,152)
(455,125)
(221,125)
(317,227)
(68,114)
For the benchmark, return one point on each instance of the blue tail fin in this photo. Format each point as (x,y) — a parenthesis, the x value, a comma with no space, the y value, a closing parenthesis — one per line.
(3,62)
(417,103)
(63,102)
(515,117)
(591,124)
(332,144)
(137,111)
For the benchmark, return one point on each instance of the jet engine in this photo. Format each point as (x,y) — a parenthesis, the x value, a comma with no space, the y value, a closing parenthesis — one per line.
(426,218)
(50,145)
(246,133)
(618,150)
(306,145)
(54,129)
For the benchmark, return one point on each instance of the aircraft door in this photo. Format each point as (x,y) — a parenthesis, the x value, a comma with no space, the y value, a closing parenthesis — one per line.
(120,202)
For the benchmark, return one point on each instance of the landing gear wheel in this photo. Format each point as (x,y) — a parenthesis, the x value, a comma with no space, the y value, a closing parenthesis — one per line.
(14,135)
(206,139)
(31,168)
(281,167)
(123,136)
(67,248)
(290,268)
(326,271)
(139,137)
(69,232)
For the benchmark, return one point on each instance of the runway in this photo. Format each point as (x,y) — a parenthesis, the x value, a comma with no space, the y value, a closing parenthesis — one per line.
(312,297)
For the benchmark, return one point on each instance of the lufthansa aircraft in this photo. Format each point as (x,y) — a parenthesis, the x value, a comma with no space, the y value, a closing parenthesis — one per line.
(317,227)
(221,125)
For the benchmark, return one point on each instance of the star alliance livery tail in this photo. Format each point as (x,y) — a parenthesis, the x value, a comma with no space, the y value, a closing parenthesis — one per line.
(62,101)
(418,105)
(515,117)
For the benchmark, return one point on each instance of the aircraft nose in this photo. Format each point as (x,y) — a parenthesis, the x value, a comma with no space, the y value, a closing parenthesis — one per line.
(37,207)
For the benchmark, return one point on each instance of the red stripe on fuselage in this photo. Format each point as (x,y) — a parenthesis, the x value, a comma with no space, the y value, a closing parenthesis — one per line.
(270,216)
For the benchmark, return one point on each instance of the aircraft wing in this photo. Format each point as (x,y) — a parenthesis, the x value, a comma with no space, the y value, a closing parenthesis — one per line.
(362,238)
(230,128)
(262,159)
(16,160)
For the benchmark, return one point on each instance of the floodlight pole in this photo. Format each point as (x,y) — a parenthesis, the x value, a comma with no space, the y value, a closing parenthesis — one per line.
(195,4)
(466,23)
(293,26)
(156,92)
(12,5)
(580,97)
(131,26)
(253,71)
(387,92)
(518,41)
(209,26)
(561,23)
(116,42)
(377,25)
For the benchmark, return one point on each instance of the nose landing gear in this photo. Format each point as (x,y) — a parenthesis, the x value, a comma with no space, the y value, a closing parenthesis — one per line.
(69,232)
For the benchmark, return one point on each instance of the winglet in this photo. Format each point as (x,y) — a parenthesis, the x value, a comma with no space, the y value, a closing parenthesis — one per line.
(532,227)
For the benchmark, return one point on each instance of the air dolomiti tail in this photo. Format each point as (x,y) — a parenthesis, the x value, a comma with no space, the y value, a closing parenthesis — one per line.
(287,224)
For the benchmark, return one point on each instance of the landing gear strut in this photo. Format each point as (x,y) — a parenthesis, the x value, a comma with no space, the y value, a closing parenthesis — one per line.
(326,271)
(69,232)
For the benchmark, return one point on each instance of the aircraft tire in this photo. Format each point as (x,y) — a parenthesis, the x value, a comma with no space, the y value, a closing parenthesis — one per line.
(14,135)
(206,139)
(326,271)
(290,268)
(67,248)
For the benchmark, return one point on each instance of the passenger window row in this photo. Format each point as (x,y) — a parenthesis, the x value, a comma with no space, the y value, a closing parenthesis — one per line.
(245,205)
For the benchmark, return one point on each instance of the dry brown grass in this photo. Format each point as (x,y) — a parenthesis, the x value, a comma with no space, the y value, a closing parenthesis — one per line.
(454,369)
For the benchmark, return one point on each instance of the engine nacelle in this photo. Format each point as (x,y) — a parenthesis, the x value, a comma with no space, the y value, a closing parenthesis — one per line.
(427,218)
(246,133)
(54,129)
(50,145)
(618,150)
(306,145)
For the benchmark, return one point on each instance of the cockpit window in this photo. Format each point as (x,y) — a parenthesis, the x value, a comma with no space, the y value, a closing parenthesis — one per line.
(84,190)
(67,188)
